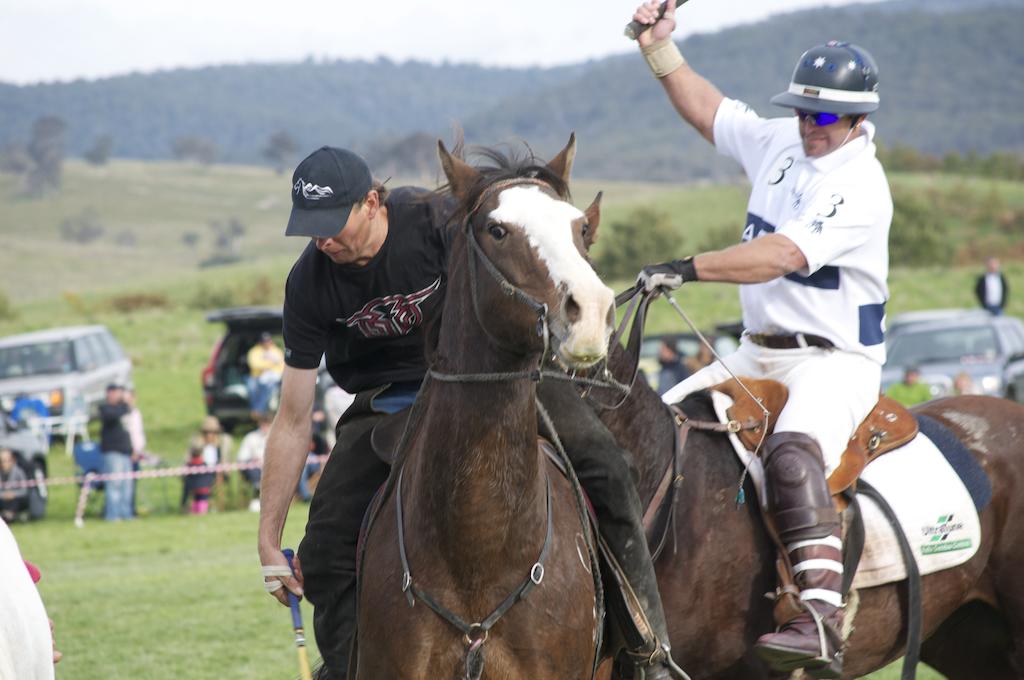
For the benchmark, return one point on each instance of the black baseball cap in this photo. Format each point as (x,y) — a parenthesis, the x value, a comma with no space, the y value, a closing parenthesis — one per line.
(325,186)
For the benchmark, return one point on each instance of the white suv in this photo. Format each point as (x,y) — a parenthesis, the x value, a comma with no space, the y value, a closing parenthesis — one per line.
(68,369)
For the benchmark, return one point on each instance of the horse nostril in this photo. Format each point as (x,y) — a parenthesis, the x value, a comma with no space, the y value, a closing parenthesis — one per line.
(610,317)
(572,309)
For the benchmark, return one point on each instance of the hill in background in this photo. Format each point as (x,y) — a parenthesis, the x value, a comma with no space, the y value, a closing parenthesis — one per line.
(950,82)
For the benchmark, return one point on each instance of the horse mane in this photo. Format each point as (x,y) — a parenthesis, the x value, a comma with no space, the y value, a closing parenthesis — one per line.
(500,166)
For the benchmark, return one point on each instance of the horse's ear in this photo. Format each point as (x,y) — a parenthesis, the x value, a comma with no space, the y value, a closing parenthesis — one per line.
(561,164)
(461,176)
(593,215)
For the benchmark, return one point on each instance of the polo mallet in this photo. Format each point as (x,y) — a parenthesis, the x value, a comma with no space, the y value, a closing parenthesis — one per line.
(300,635)
(635,28)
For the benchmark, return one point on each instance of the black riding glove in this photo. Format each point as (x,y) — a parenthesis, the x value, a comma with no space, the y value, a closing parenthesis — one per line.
(667,274)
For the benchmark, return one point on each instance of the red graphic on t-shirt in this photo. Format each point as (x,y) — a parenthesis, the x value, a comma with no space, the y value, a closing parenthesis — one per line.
(393,315)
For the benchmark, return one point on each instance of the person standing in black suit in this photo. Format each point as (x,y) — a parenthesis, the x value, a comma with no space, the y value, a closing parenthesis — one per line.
(991,288)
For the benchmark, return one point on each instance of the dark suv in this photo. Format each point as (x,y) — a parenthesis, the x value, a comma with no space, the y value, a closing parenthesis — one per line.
(224,378)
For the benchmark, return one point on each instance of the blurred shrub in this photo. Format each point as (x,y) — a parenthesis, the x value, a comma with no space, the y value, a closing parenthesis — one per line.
(644,236)
(214,297)
(7,311)
(82,228)
(133,302)
(720,238)
(261,290)
(920,233)
(77,304)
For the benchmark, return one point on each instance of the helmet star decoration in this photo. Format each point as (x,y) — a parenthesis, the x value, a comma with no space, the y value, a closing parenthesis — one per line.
(819,62)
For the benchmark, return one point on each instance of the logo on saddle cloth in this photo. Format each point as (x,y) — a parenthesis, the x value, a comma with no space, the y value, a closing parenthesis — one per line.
(938,536)
(391,316)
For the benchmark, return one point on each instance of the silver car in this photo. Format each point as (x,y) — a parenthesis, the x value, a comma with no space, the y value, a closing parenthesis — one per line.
(989,349)
(67,369)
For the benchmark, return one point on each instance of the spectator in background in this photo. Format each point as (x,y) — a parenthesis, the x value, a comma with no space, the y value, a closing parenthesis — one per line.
(317,447)
(133,423)
(251,451)
(910,391)
(116,445)
(137,433)
(206,450)
(336,400)
(266,363)
(962,384)
(14,501)
(672,370)
(703,358)
(991,289)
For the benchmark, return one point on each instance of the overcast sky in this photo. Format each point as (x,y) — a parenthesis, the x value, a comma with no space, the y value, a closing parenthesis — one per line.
(45,40)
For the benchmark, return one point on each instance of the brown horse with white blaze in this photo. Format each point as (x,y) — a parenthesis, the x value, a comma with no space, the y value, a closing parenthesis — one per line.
(474,514)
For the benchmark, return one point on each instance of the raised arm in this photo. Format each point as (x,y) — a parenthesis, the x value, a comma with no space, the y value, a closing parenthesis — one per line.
(692,95)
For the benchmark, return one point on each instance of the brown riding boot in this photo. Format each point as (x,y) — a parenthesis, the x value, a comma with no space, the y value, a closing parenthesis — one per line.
(808,524)
(817,567)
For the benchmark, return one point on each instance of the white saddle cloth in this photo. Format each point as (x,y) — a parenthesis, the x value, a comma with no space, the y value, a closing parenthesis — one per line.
(934,509)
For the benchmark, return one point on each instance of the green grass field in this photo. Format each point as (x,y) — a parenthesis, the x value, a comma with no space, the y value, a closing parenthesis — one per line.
(170,596)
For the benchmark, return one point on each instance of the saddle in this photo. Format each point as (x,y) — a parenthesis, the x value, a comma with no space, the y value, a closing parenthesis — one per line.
(888,427)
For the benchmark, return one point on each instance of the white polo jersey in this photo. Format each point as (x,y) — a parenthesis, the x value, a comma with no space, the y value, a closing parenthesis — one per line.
(836,209)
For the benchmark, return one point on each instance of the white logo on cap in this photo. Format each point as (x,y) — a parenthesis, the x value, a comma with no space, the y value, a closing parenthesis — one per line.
(312,192)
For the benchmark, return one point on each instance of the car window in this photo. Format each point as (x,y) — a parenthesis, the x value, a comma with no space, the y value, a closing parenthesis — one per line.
(36,359)
(114,351)
(85,358)
(943,344)
(1013,331)
(99,349)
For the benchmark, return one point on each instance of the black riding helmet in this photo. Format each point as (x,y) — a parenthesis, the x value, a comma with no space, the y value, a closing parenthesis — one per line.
(836,77)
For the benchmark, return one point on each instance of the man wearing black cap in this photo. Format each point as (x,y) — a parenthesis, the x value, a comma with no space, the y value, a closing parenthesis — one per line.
(359,293)
(813,265)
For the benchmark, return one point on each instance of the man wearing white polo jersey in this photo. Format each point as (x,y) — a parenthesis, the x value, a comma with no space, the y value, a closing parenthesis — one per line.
(812,265)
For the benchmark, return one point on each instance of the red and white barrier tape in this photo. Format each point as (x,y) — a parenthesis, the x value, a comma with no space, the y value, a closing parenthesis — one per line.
(183,471)
(86,480)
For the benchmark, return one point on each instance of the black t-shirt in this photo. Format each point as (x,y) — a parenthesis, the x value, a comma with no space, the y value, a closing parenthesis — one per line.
(369,320)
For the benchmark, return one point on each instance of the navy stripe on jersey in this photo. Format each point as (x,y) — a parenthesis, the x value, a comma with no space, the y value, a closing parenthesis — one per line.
(871,332)
(826,278)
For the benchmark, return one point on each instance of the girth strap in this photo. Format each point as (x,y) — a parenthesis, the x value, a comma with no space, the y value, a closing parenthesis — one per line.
(914,614)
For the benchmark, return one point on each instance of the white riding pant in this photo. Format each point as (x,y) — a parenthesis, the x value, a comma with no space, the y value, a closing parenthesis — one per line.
(830,391)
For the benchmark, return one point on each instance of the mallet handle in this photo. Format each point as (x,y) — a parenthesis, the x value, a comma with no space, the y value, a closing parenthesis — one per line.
(300,635)
(635,28)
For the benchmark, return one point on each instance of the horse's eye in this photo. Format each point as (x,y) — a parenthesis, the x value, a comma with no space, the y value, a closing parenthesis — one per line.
(497,231)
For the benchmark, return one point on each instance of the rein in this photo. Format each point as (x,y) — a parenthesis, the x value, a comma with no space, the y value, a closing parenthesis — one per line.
(474,634)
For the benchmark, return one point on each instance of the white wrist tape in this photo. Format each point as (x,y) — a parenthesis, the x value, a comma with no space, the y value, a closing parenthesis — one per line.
(271,570)
(663,57)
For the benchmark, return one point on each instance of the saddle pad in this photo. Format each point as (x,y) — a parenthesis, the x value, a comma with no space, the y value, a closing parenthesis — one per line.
(933,506)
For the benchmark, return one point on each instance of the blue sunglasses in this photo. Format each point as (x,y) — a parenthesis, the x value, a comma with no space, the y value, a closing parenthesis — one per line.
(820,118)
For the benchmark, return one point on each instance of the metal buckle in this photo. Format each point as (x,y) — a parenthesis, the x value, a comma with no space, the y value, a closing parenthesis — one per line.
(406,581)
(537,573)
(733,426)
(472,638)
